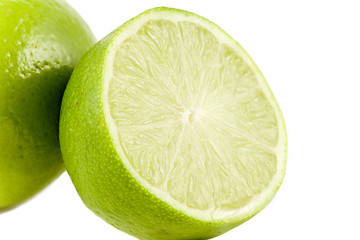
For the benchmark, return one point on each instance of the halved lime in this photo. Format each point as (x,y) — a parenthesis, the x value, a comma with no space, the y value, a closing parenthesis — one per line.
(169,130)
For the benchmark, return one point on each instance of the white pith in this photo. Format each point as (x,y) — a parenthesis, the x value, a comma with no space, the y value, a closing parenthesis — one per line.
(199,118)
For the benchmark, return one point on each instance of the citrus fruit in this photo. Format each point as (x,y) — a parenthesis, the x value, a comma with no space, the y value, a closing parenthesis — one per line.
(169,131)
(40,43)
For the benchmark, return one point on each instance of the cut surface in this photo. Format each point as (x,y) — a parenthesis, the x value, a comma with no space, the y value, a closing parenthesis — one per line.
(192,118)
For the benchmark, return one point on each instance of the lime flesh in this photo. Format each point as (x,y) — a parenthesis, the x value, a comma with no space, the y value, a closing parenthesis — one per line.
(191,117)
(169,131)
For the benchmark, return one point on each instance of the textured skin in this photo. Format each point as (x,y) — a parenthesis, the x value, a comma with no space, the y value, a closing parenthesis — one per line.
(99,175)
(40,43)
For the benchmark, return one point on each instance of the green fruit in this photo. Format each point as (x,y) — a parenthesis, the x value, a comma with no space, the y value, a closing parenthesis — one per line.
(41,41)
(169,131)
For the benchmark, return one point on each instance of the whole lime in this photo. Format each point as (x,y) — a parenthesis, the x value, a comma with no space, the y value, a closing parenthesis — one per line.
(41,41)
(168,129)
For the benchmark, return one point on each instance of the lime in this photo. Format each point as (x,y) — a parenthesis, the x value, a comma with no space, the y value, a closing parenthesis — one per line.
(40,43)
(169,131)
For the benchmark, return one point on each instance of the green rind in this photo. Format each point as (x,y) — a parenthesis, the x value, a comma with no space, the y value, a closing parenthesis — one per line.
(40,43)
(93,163)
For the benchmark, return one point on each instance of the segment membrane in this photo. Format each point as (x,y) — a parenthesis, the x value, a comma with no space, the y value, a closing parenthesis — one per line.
(191,117)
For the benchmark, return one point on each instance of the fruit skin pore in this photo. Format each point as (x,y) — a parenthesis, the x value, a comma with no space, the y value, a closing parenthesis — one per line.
(40,43)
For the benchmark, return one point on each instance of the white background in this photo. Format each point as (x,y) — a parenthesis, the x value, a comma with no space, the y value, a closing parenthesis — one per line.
(309,52)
